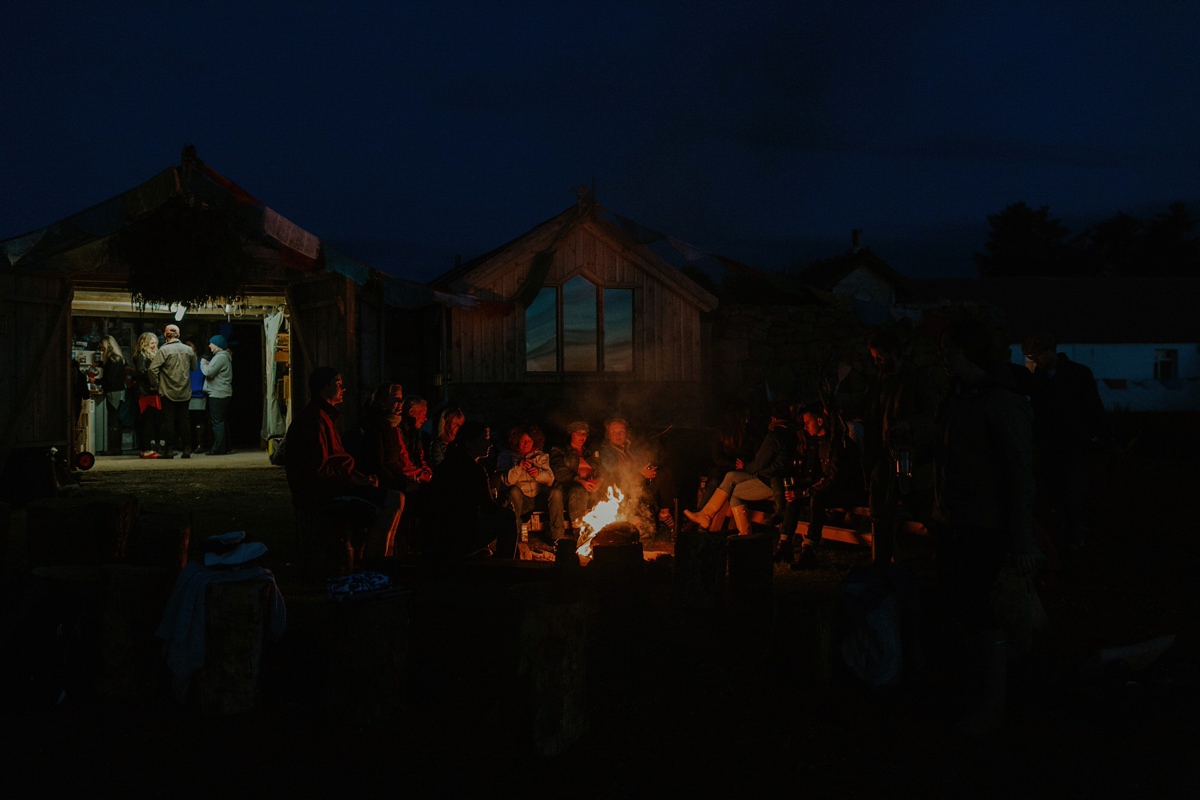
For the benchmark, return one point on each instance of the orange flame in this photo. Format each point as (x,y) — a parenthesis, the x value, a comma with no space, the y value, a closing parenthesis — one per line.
(606,512)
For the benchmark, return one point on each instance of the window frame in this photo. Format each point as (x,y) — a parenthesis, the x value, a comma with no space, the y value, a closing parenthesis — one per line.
(600,372)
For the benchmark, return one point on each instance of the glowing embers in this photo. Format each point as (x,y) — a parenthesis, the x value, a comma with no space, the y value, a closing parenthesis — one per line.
(606,512)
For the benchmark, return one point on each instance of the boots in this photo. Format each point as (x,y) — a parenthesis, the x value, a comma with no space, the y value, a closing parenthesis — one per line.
(704,516)
(741,519)
(991,662)
(786,552)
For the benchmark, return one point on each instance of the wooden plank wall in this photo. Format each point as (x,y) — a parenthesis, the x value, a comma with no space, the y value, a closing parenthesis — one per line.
(667,328)
(35,360)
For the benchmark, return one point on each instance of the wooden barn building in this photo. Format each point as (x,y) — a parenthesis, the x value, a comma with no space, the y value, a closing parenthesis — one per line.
(584,316)
(299,303)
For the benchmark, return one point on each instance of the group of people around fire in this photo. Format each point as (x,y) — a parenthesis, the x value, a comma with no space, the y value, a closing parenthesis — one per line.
(174,396)
(964,459)
(968,463)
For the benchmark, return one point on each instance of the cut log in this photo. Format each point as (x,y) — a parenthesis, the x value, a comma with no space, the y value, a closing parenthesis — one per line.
(160,541)
(752,568)
(368,660)
(235,628)
(699,569)
(551,666)
(132,665)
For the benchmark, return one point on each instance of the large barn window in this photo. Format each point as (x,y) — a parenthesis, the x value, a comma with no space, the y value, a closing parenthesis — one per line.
(579,327)
(618,330)
(580,332)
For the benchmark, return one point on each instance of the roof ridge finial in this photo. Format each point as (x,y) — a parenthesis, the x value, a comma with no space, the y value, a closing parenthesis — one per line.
(586,194)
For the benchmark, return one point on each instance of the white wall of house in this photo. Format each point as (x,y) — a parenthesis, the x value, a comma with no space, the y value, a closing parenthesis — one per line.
(866,285)
(1135,365)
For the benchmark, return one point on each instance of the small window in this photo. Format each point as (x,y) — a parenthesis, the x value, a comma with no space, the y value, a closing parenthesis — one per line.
(1166,365)
(541,332)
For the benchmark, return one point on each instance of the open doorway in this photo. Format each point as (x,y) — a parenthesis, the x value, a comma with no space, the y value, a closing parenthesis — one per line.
(108,427)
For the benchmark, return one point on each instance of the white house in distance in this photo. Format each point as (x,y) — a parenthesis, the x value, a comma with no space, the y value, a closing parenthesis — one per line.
(1139,336)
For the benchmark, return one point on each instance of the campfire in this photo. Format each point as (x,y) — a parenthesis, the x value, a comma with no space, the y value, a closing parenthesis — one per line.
(606,512)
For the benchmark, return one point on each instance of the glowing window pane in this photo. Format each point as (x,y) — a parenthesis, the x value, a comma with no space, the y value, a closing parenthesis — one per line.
(579,325)
(541,332)
(618,330)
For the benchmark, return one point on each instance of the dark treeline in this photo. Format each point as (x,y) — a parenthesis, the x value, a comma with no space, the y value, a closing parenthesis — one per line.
(1025,242)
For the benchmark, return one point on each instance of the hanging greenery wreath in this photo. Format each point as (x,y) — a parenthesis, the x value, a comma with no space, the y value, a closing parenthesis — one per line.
(184,252)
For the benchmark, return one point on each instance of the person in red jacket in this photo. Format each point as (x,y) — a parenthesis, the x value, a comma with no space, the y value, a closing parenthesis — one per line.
(323,477)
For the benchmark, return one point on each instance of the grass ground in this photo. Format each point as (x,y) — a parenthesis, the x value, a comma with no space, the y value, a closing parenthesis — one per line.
(680,703)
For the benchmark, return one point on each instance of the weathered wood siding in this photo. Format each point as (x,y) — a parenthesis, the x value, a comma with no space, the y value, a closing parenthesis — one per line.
(666,324)
(35,361)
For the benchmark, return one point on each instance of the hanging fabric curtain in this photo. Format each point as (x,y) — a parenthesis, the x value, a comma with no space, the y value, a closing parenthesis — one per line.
(273,423)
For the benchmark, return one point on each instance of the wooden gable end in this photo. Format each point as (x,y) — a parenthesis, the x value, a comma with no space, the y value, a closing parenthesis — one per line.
(667,325)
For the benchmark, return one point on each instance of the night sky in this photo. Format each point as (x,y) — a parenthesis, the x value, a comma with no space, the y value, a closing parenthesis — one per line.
(408,133)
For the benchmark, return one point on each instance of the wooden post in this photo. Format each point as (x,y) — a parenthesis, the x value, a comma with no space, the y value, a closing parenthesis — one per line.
(160,541)
(699,569)
(368,660)
(230,680)
(751,568)
(551,665)
(131,658)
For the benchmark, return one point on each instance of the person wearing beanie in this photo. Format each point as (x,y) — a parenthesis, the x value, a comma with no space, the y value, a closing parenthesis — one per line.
(218,385)
(576,487)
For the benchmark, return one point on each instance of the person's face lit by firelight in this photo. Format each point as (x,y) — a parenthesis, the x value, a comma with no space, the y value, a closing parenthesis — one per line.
(578,440)
(335,392)
(812,425)
(419,413)
(617,433)
(525,445)
(452,426)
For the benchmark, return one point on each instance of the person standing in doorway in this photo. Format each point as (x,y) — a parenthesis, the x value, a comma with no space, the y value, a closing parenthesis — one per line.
(170,372)
(113,384)
(149,421)
(218,383)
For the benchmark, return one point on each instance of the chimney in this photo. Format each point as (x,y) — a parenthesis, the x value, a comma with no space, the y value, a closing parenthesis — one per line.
(855,240)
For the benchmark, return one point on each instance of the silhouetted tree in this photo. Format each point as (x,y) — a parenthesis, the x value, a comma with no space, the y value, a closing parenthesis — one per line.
(1025,242)
(1115,245)
(1169,249)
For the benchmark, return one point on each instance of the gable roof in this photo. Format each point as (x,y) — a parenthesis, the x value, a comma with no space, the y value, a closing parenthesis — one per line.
(827,274)
(1083,310)
(78,244)
(640,243)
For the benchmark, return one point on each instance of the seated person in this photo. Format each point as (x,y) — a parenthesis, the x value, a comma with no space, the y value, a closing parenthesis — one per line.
(730,449)
(323,478)
(576,486)
(381,449)
(774,458)
(413,414)
(525,469)
(449,421)
(634,471)
(833,478)
(462,516)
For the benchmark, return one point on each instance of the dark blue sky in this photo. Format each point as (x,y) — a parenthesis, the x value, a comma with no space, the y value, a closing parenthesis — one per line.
(412,132)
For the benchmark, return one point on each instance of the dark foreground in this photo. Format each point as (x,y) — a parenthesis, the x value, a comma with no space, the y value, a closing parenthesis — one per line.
(730,702)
